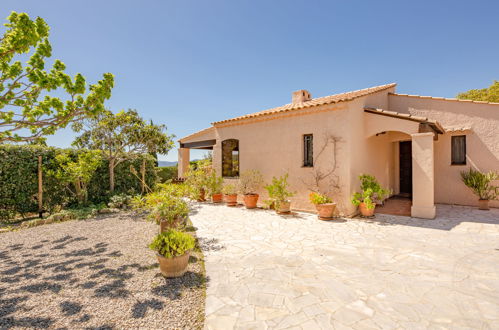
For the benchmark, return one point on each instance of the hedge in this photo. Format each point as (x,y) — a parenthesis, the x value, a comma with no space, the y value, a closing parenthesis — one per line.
(166,173)
(19,179)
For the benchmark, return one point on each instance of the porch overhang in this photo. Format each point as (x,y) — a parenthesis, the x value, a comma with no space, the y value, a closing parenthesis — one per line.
(425,124)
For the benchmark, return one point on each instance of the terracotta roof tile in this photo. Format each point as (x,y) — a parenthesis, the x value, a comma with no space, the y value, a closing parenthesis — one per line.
(449,129)
(336,98)
(443,98)
(407,116)
(205,130)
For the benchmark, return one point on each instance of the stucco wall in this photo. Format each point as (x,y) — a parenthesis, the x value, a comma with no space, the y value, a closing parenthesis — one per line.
(482,141)
(275,147)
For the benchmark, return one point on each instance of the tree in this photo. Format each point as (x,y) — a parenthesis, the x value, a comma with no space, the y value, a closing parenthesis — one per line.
(78,172)
(121,135)
(490,94)
(27,110)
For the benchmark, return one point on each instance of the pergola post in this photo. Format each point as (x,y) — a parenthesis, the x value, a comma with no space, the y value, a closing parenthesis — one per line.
(183,161)
(423,181)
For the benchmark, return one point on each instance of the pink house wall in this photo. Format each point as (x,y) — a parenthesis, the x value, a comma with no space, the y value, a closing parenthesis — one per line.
(482,141)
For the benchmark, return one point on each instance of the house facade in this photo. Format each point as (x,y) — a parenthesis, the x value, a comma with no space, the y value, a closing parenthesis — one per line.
(414,145)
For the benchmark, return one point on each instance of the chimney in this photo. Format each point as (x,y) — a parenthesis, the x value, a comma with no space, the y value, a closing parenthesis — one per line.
(301,96)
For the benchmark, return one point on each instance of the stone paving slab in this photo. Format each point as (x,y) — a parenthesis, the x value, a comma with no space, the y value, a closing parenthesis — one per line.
(270,271)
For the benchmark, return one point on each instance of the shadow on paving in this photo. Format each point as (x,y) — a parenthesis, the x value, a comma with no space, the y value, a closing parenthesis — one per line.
(54,272)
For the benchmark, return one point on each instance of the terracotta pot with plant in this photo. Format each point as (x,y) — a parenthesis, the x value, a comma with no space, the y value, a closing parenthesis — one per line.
(249,183)
(279,194)
(371,192)
(230,194)
(170,212)
(480,184)
(172,250)
(215,184)
(324,205)
(197,178)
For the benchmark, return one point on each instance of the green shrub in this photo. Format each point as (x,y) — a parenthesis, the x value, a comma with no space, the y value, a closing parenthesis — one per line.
(318,198)
(480,183)
(172,243)
(278,190)
(169,209)
(371,192)
(19,178)
(166,174)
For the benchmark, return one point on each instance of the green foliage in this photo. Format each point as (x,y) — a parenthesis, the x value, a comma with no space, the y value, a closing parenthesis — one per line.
(170,209)
(371,191)
(318,198)
(121,201)
(121,136)
(480,183)
(172,243)
(197,178)
(250,181)
(166,174)
(28,111)
(229,189)
(215,183)
(278,190)
(19,178)
(489,94)
(77,172)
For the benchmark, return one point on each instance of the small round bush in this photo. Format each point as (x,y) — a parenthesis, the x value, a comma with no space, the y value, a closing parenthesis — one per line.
(172,243)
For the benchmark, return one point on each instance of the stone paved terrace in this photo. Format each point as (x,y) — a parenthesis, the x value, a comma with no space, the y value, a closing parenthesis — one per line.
(270,271)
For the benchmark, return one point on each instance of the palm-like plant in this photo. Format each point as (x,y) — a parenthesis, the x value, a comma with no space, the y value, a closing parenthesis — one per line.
(480,183)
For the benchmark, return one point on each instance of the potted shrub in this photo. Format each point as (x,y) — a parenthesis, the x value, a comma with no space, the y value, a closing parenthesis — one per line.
(230,194)
(197,178)
(170,212)
(279,194)
(215,184)
(324,205)
(249,183)
(371,192)
(172,250)
(480,183)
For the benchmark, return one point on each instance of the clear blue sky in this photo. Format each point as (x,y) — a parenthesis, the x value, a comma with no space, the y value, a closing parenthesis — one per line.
(188,63)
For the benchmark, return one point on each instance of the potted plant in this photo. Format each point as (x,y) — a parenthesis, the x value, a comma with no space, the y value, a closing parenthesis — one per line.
(324,205)
(170,212)
(279,194)
(249,183)
(230,194)
(371,192)
(215,184)
(197,178)
(480,183)
(172,250)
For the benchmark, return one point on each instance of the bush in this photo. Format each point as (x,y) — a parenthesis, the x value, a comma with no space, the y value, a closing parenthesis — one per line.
(480,183)
(278,190)
(371,192)
(318,198)
(172,243)
(19,178)
(166,173)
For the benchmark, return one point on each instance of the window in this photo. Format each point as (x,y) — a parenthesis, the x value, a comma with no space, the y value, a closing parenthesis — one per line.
(230,158)
(458,151)
(308,150)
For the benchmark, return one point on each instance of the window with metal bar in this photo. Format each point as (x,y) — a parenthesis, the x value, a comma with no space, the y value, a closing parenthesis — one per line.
(308,150)
(458,150)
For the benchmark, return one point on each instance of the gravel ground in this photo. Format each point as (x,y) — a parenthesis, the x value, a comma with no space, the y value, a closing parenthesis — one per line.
(95,274)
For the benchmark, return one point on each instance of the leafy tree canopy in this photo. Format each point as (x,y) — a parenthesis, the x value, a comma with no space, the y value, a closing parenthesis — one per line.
(490,94)
(120,135)
(27,110)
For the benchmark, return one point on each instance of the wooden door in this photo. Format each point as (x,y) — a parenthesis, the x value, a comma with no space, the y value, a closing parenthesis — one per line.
(405,161)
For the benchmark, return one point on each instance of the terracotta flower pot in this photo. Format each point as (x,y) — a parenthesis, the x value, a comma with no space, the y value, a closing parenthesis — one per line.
(173,267)
(201,197)
(216,198)
(165,225)
(283,207)
(365,211)
(250,200)
(231,200)
(325,211)
(483,204)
